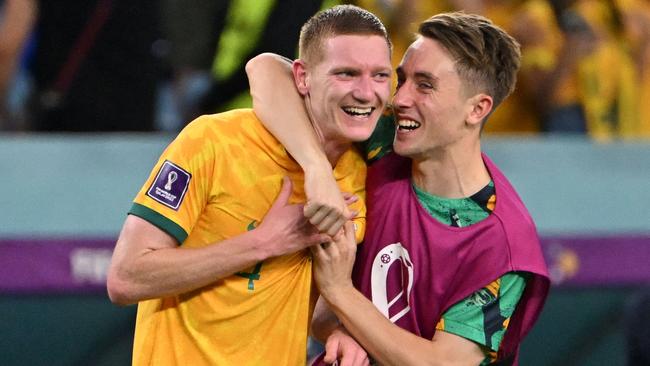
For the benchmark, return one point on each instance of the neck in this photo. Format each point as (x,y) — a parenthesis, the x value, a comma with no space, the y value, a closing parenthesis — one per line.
(334,150)
(452,172)
(331,145)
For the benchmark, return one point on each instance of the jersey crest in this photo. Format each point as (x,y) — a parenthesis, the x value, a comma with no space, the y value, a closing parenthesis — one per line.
(170,185)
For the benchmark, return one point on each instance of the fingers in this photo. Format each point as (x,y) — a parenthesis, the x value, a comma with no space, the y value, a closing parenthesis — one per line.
(318,250)
(331,225)
(312,209)
(327,220)
(318,238)
(350,198)
(315,217)
(331,351)
(352,214)
(339,245)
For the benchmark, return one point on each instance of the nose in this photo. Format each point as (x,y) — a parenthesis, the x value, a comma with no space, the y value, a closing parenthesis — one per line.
(402,97)
(363,90)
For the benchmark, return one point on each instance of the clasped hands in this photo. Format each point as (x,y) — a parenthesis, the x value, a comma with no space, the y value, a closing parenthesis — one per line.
(327,209)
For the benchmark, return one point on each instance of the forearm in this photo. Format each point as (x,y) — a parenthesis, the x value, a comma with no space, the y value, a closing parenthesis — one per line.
(387,343)
(281,109)
(158,272)
(324,321)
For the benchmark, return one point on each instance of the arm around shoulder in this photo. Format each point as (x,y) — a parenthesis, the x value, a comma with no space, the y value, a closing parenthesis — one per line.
(284,114)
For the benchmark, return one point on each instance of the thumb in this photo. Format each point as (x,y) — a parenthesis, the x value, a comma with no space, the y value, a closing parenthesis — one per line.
(331,352)
(285,192)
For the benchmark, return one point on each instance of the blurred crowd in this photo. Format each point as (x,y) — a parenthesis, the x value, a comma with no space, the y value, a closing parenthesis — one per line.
(138,65)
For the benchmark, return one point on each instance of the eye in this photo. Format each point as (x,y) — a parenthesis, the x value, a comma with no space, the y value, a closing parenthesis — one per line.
(425,85)
(345,74)
(382,76)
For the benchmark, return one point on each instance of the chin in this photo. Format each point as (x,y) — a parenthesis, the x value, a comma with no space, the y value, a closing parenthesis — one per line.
(402,150)
(358,134)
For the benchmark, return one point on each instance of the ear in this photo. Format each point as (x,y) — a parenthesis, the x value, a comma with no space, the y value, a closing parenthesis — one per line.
(299,69)
(480,107)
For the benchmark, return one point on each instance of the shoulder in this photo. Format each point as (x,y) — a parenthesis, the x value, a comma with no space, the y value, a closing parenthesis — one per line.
(231,125)
(219,121)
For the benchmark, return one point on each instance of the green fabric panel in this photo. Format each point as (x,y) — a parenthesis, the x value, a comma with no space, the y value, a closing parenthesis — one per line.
(467,211)
(160,221)
(380,142)
(466,318)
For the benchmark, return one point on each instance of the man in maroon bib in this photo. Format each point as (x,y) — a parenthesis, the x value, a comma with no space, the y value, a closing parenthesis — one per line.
(451,269)
(413,268)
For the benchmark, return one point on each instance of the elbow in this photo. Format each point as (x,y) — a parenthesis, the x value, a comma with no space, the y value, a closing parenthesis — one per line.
(120,291)
(258,63)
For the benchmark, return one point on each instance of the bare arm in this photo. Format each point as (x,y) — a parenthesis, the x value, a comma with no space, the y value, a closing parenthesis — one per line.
(386,342)
(148,263)
(281,109)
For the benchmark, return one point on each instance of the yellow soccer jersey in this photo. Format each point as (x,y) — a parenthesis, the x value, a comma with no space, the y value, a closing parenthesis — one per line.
(215,181)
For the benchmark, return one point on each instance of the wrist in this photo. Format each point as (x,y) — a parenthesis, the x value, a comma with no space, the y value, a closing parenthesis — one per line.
(315,163)
(262,244)
(336,294)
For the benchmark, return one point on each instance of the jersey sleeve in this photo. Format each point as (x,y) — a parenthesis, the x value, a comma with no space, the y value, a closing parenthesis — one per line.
(380,142)
(483,316)
(179,185)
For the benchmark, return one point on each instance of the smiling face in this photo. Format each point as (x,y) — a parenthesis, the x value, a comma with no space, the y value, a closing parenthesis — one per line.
(434,111)
(348,87)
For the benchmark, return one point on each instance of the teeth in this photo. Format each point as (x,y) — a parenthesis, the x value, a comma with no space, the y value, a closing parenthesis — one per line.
(358,111)
(405,124)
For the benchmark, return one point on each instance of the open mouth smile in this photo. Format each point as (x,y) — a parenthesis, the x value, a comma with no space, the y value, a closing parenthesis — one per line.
(407,125)
(358,112)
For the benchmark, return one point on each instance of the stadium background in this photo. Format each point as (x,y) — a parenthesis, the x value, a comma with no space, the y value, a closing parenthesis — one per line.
(63,198)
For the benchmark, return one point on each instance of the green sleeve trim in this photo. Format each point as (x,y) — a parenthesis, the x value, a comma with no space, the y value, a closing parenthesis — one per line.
(162,222)
(466,331)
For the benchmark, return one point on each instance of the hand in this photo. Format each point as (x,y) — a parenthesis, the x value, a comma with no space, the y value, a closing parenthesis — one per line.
(333,261)
(285,227)
(326,207)
(341,346)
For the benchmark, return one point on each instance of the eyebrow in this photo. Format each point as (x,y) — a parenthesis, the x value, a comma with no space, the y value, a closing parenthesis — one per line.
(418,74)
(356,70)
(426,75)
(350,69)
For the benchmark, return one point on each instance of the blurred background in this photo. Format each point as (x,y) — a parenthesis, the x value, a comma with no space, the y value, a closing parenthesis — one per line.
(91,92)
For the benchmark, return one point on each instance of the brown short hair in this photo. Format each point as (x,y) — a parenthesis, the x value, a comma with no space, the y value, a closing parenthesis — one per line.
(336,21)
(487,58)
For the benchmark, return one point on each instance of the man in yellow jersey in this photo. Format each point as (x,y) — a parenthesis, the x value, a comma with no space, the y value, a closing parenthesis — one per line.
(214,249)
(451,270)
